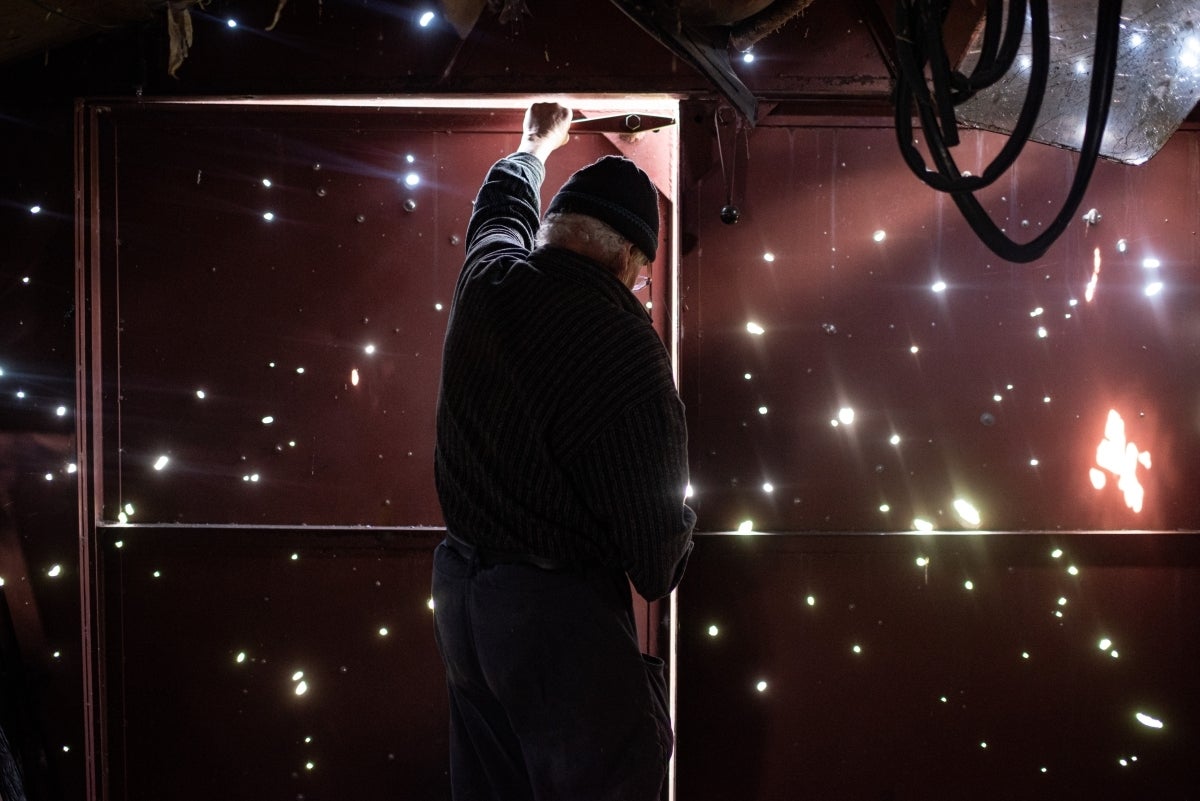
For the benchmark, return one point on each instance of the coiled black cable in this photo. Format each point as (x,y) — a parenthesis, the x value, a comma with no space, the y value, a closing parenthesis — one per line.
(919,42)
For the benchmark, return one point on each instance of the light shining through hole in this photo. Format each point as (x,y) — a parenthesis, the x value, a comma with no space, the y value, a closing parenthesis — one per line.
(1148,721)
(425,19)
(713,631)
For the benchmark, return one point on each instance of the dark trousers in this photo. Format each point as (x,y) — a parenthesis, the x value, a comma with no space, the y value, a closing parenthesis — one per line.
(550,696)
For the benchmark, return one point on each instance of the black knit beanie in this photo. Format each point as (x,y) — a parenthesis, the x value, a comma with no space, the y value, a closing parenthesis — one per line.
(614,191)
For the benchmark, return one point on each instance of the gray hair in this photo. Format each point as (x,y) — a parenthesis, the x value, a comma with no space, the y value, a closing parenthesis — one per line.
(580,232)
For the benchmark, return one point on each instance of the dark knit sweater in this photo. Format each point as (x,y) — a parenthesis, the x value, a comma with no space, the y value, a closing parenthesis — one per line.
(559,429)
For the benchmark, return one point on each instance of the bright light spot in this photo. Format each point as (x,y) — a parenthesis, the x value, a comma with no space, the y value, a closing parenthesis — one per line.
(857,649)
(1136,40)
(266,421)
(410,158)
(1034,462)
(1153,288)
(1026,62)
(1058,613)
(300,370)
(268,215)
(429,604)
(811,600)
(299,674)
(309,765)
(1151,264)
(885,508)
(967,513)
(879,235)
(1037,312)
(1090,291)
(1074,571)
(713,631)
(745,527)
(201,394)
(944,699)
(122,518)
(35,209)
(968,584)
(1042,332)
(437,306)
(129,508)
(1105,644)
(49,476)
(747,376)
(983,745)
(295,557)
(71,468)
(1114,653)
(762,409)
(756,329)
(232,23)
(768,256)
(997,398)
(921,524)
(1062,601)
(1121,458)
(425,19)
(55,571)
(241,657)
(1057,553)
(922,561)
(1081,67)
(688,491)
(894,439)
(369,349)
(846,415)
(412,179)
(383,632)
(1146,720)
(913,349)
(761,686)
(1123,762)
(157,574)
(1189,59)
(61,411)
(354,377)
(768,487)
(1024,654)
(119,544)
(748,57)
(266,182)
(161,462)
(939,286)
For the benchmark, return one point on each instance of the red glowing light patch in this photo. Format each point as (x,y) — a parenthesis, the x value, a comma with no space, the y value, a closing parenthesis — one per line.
(1121,458)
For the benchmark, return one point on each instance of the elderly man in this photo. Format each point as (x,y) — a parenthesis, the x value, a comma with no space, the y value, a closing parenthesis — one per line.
(561,468)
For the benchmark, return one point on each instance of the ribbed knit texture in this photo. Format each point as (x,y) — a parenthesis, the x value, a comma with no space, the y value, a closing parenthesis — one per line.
(559,429)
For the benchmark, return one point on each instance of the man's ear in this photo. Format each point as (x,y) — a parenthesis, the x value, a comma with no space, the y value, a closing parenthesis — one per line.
(629,265)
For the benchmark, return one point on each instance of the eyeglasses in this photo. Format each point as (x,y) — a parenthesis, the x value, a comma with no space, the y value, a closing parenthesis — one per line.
(641,283)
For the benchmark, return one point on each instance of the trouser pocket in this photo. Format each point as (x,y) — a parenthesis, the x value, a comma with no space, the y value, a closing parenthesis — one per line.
(657,681)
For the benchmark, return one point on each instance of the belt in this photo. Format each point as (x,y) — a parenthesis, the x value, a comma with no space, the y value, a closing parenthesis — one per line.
(488,557)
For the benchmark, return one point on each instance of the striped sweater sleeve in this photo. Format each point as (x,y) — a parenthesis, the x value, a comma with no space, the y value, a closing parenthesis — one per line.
(633,476)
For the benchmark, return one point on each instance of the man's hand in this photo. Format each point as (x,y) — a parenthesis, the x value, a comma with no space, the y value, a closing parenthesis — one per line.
(547,128)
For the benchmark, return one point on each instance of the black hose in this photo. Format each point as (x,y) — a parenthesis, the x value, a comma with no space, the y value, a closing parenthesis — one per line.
(911,87)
